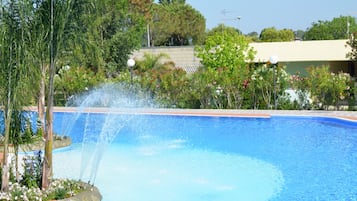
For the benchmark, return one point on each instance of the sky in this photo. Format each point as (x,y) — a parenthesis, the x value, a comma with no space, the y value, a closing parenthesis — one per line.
(256,15)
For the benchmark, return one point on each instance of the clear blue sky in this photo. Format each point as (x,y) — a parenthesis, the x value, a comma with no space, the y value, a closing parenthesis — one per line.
(259,14)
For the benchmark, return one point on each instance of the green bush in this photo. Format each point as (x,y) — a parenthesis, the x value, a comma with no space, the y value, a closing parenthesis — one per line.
(329,89)
(262,86)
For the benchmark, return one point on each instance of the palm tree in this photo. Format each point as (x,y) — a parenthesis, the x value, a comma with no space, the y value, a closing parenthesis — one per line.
(60,10)
(15,75)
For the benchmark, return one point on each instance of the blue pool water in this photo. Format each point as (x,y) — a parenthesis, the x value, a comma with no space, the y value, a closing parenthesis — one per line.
(162,158)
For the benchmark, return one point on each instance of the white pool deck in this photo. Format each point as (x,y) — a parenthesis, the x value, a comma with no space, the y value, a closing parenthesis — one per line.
(348,115)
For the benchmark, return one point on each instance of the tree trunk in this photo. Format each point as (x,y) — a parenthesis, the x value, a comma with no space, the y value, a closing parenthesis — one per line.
(47,169)
(5,168)
(41,101)
(47,164)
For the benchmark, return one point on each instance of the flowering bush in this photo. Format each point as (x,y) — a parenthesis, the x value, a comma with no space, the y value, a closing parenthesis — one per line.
(58,189)
(265,81)
(329,89)
(299,85)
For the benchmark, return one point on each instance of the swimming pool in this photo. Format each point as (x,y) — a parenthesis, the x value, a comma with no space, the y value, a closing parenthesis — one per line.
(161,157)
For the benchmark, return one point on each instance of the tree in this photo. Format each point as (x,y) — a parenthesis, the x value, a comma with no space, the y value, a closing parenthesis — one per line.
(299,34)
(225,58)
(143,7)
(37,36)
(319,31)
(338,28)
(253,35)
(58,20)
(222,28)
(114,28)
(101,34)
(352,42)
(177,24)
(38,45)
(225,49)
(273,35)
(16,75)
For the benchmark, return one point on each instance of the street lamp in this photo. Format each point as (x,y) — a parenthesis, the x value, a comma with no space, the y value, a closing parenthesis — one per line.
(131,64)
(274,60)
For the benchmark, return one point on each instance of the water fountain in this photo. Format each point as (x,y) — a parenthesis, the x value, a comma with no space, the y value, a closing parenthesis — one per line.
(98,135)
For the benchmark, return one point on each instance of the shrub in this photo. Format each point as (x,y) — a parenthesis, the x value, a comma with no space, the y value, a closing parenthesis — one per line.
(262,85)
(58,189)
(329,89)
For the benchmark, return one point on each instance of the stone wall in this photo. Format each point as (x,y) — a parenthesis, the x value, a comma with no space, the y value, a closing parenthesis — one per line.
(183,57)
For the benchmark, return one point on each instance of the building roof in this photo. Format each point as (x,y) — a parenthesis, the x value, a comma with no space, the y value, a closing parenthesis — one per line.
(298,51)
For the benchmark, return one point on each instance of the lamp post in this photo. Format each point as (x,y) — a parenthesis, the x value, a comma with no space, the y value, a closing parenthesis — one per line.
(131,64)
(274,60)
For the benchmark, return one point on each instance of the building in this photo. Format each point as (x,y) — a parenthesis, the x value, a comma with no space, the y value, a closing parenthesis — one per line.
(296,55)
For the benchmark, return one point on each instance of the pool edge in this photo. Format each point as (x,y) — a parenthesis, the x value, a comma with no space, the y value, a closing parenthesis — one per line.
(344,115)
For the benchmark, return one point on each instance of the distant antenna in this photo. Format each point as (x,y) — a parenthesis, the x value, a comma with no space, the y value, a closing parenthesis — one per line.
(225,12)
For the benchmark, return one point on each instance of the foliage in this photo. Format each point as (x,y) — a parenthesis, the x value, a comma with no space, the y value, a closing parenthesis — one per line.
(299,34)
(150,61)
(32,176)
(142,7)
(266,81)
(327,88)
(254,36)
(225,49)
(338,28)
(273,35)
(299,84)
(225,57)
(74,80)
(352,42)
(166,84)
(29,187)
(102,33)
(171,86)
(119,32)
(21,133)
(59,189)
(16,75)
(177,24)
(219,29)
(219,89)
(59,18)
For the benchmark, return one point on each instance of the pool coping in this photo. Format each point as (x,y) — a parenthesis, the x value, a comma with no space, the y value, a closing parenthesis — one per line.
(345,115)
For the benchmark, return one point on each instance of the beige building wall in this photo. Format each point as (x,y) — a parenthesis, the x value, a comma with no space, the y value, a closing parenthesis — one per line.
(301,51)
(297,55)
